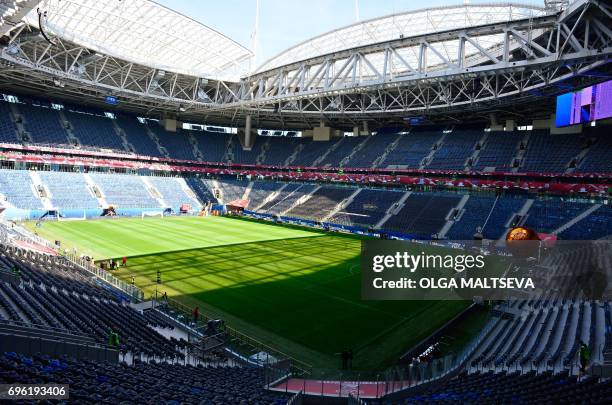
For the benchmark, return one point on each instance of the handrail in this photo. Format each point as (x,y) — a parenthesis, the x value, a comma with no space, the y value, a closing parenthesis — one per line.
(131,290)
(233,333)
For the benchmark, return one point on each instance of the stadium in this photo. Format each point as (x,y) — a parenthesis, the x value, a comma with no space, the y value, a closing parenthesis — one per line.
(180,223)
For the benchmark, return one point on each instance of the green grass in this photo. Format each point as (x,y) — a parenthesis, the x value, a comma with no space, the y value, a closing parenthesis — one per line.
(294,289)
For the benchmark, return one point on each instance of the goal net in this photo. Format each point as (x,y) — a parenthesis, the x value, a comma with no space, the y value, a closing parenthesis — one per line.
(152,214)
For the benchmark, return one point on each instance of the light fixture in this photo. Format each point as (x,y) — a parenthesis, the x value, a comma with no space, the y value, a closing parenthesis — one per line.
(13,48)
(182,108)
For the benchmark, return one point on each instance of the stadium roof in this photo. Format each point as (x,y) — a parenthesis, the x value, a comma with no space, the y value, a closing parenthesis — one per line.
(406,24)
(144,32)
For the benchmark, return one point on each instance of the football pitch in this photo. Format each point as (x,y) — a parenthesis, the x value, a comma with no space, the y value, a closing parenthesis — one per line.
(298,290)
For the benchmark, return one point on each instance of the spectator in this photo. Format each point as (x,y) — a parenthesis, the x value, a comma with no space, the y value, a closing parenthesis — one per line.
(585,356)
(196,315)
(113,337)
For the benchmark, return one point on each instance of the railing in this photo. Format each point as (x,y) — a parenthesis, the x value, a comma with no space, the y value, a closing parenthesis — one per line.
(297,399)
(134,292)
(131,290)
(237,343)
(372,384)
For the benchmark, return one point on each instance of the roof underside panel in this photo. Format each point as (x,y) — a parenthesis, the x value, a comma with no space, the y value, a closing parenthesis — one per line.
(144,32)
(407,24)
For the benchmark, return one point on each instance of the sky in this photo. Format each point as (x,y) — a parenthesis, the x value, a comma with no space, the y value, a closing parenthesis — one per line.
(284,23)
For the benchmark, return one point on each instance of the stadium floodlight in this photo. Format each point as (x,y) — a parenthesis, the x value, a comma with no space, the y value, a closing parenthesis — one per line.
(13,48)
(202,95)
(58,83)
(78,69)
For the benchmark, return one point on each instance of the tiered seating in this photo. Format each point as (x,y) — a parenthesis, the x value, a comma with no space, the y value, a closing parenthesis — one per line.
(172,193)
(200,189)
(597,159)
(232,190)
(286,198)
(321,203)
(44,125)
(544,335)
(246,156)
(336,156)
(92,382)
(94,131)
(69,190)
(260,191)
(550,153)
(548,215)
(124,191)
(594,226)
(457,147)
(368,208)
(411,150)
(498,151)
(312,151)
(423,214)
(176,143)
(213,145)
(8,129)
(513,387)
(16,186)
(136,134)
(475,213)
(375,148)
(57,294)
(281,147)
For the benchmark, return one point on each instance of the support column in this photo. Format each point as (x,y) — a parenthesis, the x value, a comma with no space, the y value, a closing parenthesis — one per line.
(247,132)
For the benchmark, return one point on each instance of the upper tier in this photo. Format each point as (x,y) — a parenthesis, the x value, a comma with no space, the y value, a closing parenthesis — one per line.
(463,149)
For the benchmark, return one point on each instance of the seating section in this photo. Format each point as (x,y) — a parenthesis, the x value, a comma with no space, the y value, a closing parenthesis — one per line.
(597,159)
(92,382)
(248,157)
(260,191)
(548,215)
(423,214)
(17,188)
(231,190)
(287,197)
(374,148)
(335,157)
(544,335)
(177,143)
(201,190)
(69,190)
(411,150)
(550,153)
(594,226)
(44,125)
(136,135)
(475,213)
(173,192)
(498,151)
(543,152)
(279,150)
(94,131)
(312,150)
(454,152)
(367,208)
(56,293)
(8,129)
(124,191)
(321,203)
(213,145)
(512,387)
